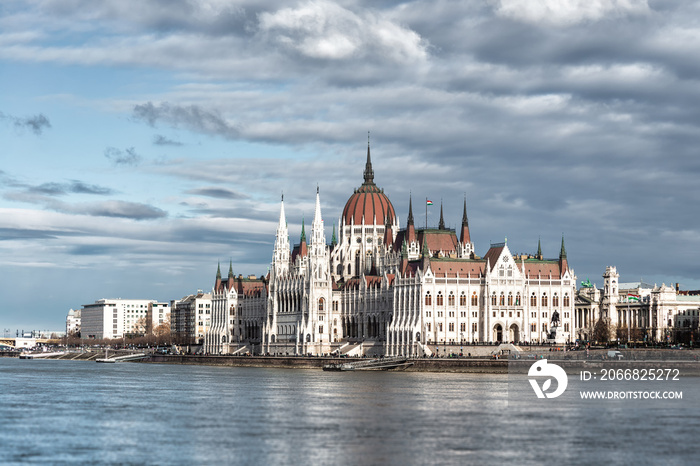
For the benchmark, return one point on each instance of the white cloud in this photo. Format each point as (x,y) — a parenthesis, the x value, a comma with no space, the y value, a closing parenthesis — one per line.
(320,29)
(569,12)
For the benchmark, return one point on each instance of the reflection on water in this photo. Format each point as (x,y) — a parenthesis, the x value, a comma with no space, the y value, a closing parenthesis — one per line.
(65,411)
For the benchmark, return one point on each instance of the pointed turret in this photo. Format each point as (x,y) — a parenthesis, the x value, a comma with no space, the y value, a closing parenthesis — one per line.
(303,232)
(230,270)
(539,248)
(425,253)
(563,263)
(410,228)
(441,225)
(334,239)
(562,252)
(388,236)
(280,256)
(465,237)
(368,173)
(318,236)
(217,283)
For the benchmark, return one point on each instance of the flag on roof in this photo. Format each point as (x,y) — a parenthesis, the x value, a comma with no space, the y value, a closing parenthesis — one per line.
(428,202)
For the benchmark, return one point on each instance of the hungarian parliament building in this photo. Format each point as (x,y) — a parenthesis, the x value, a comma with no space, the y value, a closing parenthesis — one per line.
(380,288)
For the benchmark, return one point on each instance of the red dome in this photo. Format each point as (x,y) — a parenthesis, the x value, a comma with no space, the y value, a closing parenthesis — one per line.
(369,202)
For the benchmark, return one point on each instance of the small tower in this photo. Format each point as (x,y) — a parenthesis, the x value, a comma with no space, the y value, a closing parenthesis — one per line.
(466,249)
(280,255)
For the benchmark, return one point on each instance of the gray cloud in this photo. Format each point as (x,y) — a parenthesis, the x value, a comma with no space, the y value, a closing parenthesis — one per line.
(122,209)
(191,117)
(75,187)
(35,124)
(219,193)
(160,140)
(127,157)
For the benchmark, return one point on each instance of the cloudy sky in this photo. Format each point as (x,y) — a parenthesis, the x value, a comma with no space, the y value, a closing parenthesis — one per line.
(143,142)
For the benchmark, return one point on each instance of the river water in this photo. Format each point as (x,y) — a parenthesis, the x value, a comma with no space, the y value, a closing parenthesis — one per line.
(70,412)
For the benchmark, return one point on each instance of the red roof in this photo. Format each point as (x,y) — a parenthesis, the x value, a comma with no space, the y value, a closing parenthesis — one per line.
(369,202)
(452,268)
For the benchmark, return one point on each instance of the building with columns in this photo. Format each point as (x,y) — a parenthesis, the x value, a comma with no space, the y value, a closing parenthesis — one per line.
(380,289)
(637,311)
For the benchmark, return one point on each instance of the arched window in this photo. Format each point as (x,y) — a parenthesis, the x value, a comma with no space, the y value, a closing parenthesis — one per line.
(544,299)
(502,300)
(533,300)
(555,300)
(462,299)
(493,299)
(439,299)
(566,300)
(321,303)
(475,299)
(451,299)
(428,299)
(517,299)
(510,299)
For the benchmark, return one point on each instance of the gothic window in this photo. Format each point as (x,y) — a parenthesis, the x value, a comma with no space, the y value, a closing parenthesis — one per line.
(428,326)
(517,299)
(463,327)
(320,329)
(533,327)
(428,299)
(475,299)
(544,299)
(439,326)
(451,299)
(566,326)
(544,327)
(321,303)
(533,300)
(510,299)
(502,300)
(439,299)
(463,299)
(493,299)
(555,300)
(474,327)
(566,300)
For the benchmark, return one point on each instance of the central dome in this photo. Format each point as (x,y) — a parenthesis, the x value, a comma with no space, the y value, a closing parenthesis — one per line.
(368,202)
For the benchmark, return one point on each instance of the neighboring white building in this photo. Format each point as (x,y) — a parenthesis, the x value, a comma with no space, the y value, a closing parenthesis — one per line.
(191,318)
(638,311)
(115,318)
(73,322)
(381,290)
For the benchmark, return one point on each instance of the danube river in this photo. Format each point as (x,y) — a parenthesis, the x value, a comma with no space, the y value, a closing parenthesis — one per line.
(64,412)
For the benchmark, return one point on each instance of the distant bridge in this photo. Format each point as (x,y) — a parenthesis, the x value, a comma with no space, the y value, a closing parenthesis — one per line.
(12,341)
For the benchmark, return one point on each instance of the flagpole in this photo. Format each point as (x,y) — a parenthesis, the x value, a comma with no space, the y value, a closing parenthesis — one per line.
(426,213)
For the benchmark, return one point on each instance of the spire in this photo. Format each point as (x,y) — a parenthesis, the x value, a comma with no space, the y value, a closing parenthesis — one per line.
(318,237)
(410,229)
(369,173)
(230,270)
(562,253)
(303,232)
(388,234)
(465,238)
(539,248)
(218,271)
(334,240)
(465,220)
(441,225)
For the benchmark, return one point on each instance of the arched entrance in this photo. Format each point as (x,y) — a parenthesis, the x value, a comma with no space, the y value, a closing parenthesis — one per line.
(498,333)
(514,334)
